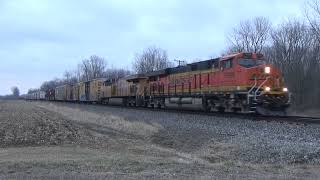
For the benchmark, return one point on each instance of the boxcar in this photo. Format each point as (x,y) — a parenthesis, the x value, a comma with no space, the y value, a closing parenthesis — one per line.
(42,95)
(90,91)
(61,93)
(75,91)
(69,92)
(95,89)
(50,94)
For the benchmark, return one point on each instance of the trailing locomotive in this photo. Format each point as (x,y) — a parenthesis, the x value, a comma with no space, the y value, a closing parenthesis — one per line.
(241,82)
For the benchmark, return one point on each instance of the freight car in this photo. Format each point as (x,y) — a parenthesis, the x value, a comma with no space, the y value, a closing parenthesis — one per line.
(90,91)
(50,95)
(61,93)
(241,82)
(37,95)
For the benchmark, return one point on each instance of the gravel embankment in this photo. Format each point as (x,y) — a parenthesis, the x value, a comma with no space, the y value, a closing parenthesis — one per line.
(231,138)
(252,141)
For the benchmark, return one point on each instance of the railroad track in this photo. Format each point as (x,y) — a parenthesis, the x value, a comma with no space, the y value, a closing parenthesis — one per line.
(304,120)
(300,119)
(254,117)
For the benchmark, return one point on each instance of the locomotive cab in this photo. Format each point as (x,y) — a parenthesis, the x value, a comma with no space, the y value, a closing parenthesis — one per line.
(266,91)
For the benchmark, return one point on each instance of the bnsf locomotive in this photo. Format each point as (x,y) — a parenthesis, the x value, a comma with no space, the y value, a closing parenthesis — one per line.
(241,82)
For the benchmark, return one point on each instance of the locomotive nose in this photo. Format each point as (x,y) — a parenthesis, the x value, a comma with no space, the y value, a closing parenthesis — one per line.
(275,81)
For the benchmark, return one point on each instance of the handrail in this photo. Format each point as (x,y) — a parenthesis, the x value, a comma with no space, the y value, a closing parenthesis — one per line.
(249,92)
(255,93)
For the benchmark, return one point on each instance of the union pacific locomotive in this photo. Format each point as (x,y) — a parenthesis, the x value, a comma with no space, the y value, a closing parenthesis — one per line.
(241,82)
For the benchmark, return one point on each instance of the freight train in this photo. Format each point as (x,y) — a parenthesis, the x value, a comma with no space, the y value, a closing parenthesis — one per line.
(241,82)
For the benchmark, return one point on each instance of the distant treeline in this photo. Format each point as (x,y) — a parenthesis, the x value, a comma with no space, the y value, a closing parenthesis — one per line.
(150,59)
(15,94)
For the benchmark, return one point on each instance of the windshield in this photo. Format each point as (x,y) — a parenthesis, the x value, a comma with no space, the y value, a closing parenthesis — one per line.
(251,62)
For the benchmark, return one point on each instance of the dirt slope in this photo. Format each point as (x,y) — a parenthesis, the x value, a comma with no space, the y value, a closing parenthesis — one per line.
(27,125)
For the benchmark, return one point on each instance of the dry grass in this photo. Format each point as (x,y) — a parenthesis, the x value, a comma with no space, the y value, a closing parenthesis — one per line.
(105,119)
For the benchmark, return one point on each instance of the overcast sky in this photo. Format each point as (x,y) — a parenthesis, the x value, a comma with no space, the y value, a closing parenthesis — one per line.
(40,39)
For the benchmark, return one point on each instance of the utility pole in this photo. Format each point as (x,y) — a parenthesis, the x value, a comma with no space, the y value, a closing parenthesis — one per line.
(179,62)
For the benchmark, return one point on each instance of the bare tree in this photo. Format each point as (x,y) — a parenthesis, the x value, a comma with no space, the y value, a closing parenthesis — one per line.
(312,12)
(116,73)
(93,68)
(78,73)
(293,46)
(250,35)
(70,77)
(296,50)
(151,59)
(47,85)
(31,90)
(67,75)
(15,91)
(291,41)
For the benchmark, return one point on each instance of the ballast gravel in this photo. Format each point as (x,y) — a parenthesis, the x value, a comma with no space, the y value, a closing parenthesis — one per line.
(250,141)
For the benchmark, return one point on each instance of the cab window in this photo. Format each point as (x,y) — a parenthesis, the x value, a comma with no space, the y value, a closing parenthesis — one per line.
(250,62)
(215,65)
(226,64)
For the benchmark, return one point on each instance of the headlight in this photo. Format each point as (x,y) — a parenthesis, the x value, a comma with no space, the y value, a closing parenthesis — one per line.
(285,89)
(267,70)
(267,89)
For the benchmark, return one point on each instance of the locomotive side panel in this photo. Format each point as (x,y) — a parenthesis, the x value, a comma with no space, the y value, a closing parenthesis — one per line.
(122,88)
(108,91)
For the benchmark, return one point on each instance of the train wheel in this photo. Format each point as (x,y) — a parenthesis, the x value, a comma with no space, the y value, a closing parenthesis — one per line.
(221,109)
(205,105)
(124,102)
(236,110)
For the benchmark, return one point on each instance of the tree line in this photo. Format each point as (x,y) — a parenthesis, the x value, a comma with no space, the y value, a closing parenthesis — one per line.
(15,94)
(150,59)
